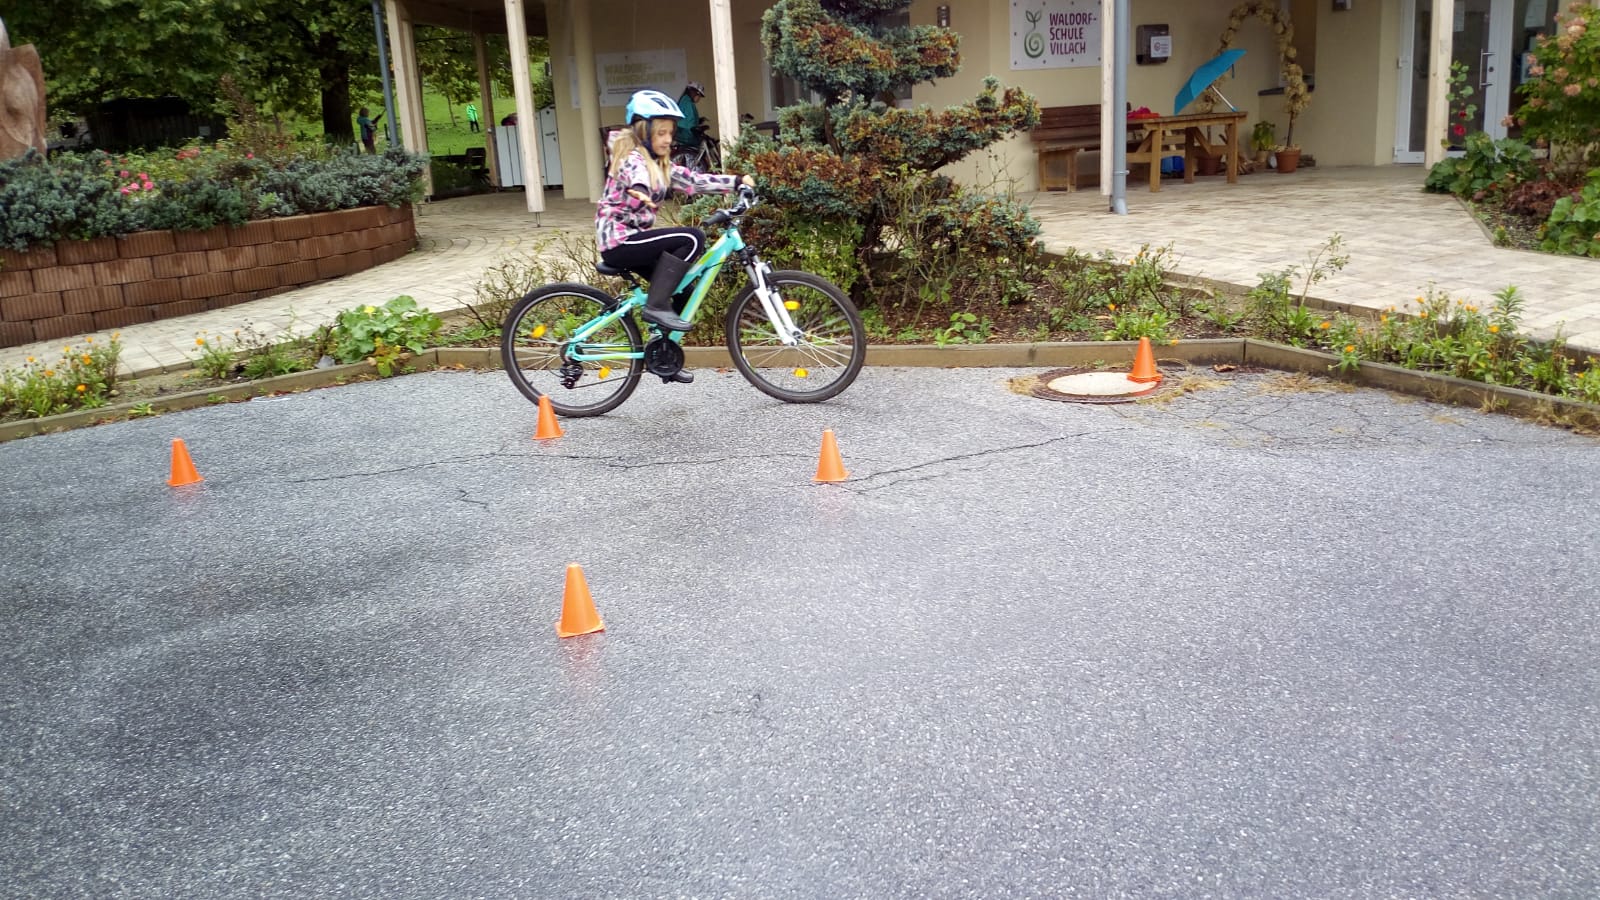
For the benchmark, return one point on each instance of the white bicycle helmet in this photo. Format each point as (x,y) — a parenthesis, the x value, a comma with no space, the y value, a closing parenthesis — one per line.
(652,105)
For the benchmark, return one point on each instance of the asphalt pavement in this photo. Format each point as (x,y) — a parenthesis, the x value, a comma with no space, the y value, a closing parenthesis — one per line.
(1256,641)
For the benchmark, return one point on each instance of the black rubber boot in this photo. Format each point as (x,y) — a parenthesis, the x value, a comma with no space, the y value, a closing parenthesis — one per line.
(682,376)
(663,281)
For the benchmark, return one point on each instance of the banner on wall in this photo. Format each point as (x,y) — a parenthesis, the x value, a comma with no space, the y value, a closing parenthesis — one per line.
(620,74)
(1055,34)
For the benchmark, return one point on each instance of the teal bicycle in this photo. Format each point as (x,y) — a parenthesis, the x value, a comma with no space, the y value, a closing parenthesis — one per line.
(793,335)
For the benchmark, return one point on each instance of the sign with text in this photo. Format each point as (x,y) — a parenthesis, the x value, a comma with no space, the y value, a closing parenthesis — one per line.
(1055,34)
(620,74)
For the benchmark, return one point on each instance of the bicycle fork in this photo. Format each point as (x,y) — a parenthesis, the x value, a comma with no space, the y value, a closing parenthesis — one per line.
(773,305)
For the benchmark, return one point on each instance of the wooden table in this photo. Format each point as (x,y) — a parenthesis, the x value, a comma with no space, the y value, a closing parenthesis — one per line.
(1169,135)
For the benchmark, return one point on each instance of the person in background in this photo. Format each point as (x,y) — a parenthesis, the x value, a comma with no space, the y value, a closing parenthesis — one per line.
(472,117)
(368,128)
(691,127)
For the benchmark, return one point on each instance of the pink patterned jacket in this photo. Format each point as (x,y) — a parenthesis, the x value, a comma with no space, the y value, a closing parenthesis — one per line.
(621,215)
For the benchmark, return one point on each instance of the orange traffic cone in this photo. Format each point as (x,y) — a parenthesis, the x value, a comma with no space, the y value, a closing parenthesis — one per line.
(183,471)
(548,427)
(578,615)
(1144,363)
(829,466)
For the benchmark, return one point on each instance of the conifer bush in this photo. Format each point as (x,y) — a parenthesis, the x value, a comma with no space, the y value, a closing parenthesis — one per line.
(856,160)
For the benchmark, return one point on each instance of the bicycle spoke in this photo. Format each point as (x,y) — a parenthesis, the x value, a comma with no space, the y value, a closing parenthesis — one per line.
(828,354)
(536,348)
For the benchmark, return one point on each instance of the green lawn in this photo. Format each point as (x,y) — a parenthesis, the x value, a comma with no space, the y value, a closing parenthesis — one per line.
(449,136)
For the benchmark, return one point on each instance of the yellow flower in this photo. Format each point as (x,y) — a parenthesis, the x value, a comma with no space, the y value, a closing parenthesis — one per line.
(30,359)
(1382,319)
(49,373)
(1111,306)
(1173,342)
(1349,348)
(369,310)
(1494,329)
(87,359)
(89,339)
(1423,314)
(199,342)
(115,335)
(82,388)
(1325,325)
(1419,298)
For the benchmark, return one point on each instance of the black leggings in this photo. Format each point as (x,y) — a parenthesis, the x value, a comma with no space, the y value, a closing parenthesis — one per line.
(640,252)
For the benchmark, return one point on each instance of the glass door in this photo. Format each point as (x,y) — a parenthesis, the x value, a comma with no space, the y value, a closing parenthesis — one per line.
(1481,41)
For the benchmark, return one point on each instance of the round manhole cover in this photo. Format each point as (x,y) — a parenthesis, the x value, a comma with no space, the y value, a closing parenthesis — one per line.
(1084,386)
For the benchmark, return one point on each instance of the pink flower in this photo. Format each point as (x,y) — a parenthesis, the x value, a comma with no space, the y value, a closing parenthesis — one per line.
(124,173)
(1572,90)
(1536,70)
(126,189)
(1508,121)
(249,156)
(1459,130)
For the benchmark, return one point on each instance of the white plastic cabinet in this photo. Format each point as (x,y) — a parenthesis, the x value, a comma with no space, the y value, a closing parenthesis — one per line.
(508,151)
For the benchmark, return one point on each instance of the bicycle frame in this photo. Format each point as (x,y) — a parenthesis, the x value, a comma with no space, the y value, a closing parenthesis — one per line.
(702,274)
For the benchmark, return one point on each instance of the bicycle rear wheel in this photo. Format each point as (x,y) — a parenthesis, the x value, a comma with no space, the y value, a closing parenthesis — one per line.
(829,355)
(535,339)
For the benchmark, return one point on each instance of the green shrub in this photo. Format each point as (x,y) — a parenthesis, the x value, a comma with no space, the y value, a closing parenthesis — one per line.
(90,195)
(1574,224)
(1489,167)
(382,334)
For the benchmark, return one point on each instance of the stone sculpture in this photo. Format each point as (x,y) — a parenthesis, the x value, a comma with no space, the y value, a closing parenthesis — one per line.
(21,98)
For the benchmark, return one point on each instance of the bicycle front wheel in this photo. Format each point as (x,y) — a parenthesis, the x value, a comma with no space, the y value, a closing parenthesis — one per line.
(536,349)
(832,347)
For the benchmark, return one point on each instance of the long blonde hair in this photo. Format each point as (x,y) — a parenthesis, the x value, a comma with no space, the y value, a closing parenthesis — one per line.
(625,141)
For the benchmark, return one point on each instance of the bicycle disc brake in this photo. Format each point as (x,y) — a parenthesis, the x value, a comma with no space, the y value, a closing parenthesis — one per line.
(663,357)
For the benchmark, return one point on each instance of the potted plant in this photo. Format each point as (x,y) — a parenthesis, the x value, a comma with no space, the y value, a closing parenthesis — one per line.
(1263,137)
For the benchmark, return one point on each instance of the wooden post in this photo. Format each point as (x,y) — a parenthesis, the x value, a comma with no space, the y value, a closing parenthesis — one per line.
(1442,36)
(588,94)
(527,116)
(408,86)
(723,71)
(486,106)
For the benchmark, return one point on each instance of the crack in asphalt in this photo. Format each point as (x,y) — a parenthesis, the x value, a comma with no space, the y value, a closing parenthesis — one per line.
(848,483)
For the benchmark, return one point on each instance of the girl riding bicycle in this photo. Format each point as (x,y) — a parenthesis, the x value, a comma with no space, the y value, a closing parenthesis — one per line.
(642,176)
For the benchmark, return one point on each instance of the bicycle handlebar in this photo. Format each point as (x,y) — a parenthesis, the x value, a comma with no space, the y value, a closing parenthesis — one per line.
(747,199)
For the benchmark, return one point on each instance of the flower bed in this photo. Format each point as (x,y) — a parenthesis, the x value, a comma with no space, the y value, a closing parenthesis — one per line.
(72,287)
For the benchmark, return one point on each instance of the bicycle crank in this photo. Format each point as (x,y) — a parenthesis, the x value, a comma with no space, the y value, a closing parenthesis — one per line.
(663,357)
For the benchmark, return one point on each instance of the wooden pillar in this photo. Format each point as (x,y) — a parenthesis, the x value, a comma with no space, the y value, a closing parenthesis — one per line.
(527,116)
(723,70)
(588,93)
(486,106)
(1441,39)
(408,85)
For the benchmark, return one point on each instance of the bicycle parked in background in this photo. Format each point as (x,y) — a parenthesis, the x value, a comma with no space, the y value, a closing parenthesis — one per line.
(707,157)
(793,335)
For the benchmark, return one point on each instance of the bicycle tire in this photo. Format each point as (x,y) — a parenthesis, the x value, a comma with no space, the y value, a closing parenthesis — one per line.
(820,309)
(532,336)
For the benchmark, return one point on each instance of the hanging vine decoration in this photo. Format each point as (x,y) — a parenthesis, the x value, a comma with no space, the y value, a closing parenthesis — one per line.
(1296,97)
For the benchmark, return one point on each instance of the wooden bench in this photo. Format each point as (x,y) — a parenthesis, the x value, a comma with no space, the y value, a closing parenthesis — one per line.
(1062,132)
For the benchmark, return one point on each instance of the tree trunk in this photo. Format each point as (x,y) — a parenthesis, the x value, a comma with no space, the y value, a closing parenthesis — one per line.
(338,125)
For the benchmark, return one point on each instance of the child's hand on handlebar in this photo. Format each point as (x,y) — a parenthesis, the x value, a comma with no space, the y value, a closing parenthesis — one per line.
(747,181)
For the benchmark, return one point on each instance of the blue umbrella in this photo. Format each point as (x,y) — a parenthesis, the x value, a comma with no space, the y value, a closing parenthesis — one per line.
(1209,71)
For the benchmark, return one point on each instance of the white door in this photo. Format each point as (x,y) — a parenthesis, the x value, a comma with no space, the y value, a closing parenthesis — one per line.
(549,147)
(1482,41)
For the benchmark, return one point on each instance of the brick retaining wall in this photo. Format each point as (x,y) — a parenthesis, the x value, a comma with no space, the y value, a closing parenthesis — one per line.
(82,286)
